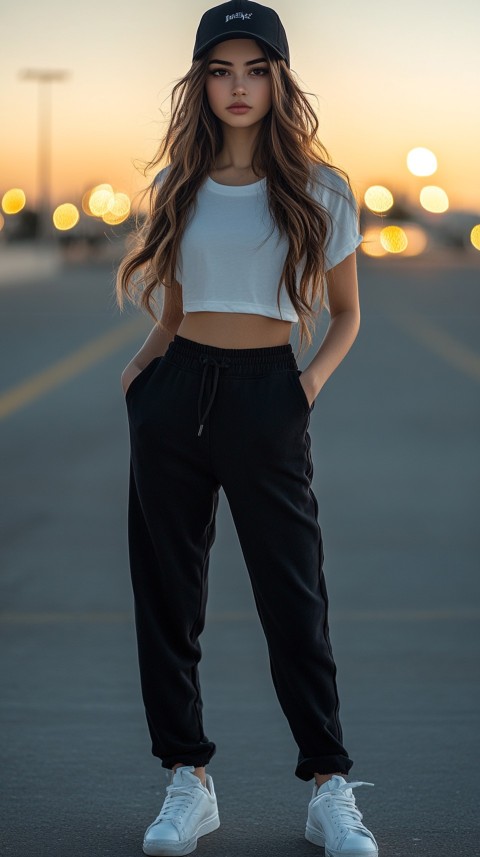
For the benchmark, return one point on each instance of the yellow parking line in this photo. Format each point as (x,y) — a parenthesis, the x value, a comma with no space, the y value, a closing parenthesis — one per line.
(442,343)
(25,392)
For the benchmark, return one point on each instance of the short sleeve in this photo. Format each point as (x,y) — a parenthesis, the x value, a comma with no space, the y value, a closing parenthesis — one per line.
(159,178)
(343,237)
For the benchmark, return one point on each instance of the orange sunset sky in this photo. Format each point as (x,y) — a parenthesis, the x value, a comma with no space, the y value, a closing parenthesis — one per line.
(387,77)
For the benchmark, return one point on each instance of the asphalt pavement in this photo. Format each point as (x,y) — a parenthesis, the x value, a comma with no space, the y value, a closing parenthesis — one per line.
(395,449)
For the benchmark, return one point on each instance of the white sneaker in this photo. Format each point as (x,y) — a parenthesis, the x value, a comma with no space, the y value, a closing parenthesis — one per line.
(189,811)
(335,822)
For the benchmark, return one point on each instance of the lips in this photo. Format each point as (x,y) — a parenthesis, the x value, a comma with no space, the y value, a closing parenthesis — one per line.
(239,104)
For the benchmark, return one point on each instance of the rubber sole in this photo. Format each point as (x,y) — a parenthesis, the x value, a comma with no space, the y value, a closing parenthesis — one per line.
(179,849)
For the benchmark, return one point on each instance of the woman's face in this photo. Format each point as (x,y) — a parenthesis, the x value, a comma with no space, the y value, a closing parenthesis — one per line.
(238,71)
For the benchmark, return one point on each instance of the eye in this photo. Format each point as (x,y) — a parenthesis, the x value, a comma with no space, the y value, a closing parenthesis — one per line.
(220,72)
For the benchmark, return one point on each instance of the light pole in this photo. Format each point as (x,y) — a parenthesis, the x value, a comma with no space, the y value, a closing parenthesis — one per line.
(44,77)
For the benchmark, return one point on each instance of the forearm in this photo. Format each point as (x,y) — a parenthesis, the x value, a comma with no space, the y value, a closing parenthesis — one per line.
(155,345)
(339,338)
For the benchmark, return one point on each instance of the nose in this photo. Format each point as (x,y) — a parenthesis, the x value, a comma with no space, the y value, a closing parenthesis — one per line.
(238,81)
(238,87)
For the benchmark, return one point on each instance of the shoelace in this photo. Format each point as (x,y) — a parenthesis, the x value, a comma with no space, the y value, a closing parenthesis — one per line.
(177,800)
(342,807)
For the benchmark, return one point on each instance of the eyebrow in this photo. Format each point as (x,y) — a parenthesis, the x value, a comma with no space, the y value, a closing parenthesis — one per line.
(250,62)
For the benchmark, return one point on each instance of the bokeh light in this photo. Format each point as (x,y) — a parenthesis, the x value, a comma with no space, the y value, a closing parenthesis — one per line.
(66,216)
(100,199)
(371,244)
(378,198)
(393,239)
(475,236)
(417,239)
(118,210)
(86,202)
(408,240)
(421,161)
(13,200)
(434,199)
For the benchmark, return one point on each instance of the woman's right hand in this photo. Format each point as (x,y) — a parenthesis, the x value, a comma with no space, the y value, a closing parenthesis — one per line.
(155,345)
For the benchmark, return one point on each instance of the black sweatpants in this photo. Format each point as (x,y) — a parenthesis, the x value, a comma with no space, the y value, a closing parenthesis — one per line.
(203,418)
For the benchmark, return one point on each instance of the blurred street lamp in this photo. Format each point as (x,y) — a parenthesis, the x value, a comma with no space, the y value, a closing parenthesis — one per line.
(44,77)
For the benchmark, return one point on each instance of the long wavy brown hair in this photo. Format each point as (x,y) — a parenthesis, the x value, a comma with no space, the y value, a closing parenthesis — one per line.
(286,148)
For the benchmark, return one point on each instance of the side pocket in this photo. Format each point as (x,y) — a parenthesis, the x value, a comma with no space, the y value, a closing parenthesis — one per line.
(147,370)
(295,375)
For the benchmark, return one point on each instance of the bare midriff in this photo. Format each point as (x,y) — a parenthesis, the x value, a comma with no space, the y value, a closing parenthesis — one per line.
(234,329)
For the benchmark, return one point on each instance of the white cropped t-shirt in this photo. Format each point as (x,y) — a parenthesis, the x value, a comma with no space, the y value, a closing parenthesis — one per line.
(230,260)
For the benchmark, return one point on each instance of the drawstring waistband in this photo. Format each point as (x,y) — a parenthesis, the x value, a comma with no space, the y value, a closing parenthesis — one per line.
(207,360)
(239,362)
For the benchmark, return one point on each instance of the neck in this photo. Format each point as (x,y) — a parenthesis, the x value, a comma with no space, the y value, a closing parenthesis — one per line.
(237,149)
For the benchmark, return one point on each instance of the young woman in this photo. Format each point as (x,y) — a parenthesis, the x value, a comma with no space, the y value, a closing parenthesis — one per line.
(246,223)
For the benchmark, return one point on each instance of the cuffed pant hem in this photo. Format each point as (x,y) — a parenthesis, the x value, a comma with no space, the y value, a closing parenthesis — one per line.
(306,769)
(198,760)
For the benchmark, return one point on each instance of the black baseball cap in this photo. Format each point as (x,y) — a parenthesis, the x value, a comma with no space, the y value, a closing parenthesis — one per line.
(241,19)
